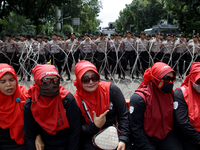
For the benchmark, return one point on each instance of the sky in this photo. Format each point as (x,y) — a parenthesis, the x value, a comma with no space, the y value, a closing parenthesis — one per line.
(110,10)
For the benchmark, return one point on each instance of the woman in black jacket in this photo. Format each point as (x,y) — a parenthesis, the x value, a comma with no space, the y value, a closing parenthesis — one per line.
(187,109)
(102,104)
(51,111)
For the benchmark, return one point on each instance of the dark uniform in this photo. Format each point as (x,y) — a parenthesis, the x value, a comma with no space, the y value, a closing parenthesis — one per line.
(10,51)
(87,49)
(167,49)
(179,49)
(102,47)
(71,46)
(143,54)
(116,51)
(54,48)
(128,53)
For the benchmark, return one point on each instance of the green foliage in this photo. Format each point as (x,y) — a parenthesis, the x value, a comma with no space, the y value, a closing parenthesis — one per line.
(142,14)
(16,24)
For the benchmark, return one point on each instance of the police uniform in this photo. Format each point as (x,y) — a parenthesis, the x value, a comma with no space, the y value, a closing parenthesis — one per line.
(55,52)
(102,47)
(143,55)
(154,49)
(70,48)
(194,50)
(10,51)
(87,49)
(167,49)
(179,49)
(2,57)
(116,50)
(128,53)
(40,51)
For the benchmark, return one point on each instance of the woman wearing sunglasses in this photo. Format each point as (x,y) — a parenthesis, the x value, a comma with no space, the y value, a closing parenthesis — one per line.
(51,111)
(187,109)
(102,104)
(12,99)
(151,110)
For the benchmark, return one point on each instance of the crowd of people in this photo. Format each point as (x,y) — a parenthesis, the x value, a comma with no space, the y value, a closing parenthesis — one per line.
(48,117)
(110,55)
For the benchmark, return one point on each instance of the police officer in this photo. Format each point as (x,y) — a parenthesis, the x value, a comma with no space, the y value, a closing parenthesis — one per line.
(54,47)
(129,52)
(167,48)
(116,50)
(71,45)
(10,51)
(39,50)
(154,48)
(87,48)
(179,49)
(141,46)
(46,39)
(102,47)
(193,51)
(2,55)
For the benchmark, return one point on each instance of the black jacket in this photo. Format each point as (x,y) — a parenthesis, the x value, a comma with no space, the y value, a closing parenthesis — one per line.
(66,139)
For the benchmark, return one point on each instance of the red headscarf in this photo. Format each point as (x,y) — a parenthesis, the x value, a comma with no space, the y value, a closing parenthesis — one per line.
(158,115)
(48,112)
(98,100)
(191,96)
(11,107)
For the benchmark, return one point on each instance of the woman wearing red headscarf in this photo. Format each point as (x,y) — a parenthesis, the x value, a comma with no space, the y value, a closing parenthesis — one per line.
(101,103)
(51,111)
(151,110)
(187,109)
(12,99)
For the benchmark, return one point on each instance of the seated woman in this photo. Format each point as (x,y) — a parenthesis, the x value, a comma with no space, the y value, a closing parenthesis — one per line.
(187,109)
(151,110)
(51,111)
(12,99)
(97,97)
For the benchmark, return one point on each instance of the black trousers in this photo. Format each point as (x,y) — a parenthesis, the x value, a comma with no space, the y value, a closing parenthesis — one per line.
(166,58)
(101,61)
(68,66)
(142,62)
(76,55)
(42,59)
(156,56)
(10,146)
(114,62)
(128,56)
(56,60)
(88,56)
(180,64)
(12,60)
(2,58)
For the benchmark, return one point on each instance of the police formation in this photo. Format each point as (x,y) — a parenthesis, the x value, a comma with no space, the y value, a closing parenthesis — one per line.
(126,55)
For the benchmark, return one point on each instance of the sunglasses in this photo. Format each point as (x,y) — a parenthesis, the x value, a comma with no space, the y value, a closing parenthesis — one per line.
(86,80)
(168,79)
(47,81)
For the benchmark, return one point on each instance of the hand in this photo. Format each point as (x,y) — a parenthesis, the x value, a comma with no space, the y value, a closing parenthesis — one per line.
(101,120)
(121,146)
(39,143)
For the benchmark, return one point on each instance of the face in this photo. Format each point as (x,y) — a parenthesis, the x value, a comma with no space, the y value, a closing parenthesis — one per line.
(72,36)
(8,84)
(128,35)
(66,38)
(47,81)
(158,36)
(39,40)
(195,39)
(142,36)
(54,37)
(91,86)
(170,74)
(181,38)
(8,38)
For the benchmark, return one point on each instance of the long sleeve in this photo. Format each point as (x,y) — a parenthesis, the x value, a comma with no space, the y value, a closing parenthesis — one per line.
(181,119)
(121,112)
(29,126)
(137,109)
(73,116)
